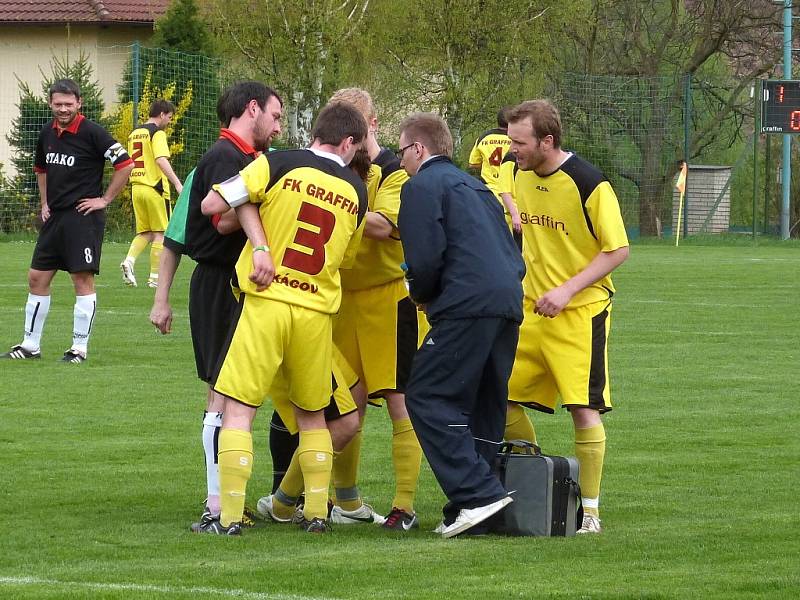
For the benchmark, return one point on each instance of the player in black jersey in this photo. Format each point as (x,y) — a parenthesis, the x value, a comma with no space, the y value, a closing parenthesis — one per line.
(70,155)
(250,113)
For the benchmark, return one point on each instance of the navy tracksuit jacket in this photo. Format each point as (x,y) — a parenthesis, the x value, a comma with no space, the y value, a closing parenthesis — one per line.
(464,267)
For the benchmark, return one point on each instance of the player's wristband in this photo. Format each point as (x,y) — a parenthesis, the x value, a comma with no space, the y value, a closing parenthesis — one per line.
(262,248)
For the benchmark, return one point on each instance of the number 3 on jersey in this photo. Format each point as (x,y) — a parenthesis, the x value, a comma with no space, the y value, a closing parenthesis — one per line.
(314,262)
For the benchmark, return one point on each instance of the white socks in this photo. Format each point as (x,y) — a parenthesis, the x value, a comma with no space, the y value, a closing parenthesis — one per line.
(36,310)
(212,423)
(83,317)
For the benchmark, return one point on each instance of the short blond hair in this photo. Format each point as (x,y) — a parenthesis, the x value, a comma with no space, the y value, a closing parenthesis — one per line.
(431,130)
(358,98)
(544,118)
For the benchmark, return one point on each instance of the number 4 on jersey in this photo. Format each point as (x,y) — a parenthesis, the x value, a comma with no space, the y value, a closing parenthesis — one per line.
(496,157)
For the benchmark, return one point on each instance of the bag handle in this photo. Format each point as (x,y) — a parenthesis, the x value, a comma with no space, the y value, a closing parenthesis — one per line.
(508,446)
(579,499)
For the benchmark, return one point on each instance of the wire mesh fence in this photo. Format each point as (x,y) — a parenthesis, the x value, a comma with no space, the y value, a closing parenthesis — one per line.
(632,128)
(635,129)
(638,129)
(138,76)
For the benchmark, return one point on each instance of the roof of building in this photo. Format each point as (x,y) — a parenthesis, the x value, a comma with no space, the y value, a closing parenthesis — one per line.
(82,11)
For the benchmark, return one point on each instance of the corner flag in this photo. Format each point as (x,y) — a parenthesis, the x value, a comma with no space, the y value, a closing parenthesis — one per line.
(680,185)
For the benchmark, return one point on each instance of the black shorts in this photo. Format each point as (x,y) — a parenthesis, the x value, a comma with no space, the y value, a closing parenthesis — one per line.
(212,307)
(70,241)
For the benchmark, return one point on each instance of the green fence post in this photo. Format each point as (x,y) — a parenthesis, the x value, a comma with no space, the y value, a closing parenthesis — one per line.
(767,195)
(135,94)
(756,127)
(687,117)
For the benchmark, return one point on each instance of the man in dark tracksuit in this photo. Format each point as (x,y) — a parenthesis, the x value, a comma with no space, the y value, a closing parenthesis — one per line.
(464,268)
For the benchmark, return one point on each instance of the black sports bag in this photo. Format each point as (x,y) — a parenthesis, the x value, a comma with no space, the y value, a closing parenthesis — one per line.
(547,498)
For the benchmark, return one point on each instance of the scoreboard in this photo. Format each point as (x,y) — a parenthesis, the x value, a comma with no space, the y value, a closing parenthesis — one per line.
(780,106)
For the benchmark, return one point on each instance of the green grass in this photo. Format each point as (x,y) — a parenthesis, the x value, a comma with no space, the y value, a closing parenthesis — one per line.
(102,468)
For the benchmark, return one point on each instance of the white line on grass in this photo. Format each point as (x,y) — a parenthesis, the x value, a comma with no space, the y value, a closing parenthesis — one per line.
(25,284)
(123,313)
(703,304)
(771,259)
(161,589)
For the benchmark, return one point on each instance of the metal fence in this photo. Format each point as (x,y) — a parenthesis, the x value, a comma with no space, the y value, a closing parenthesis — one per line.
(634,128)
(118,84)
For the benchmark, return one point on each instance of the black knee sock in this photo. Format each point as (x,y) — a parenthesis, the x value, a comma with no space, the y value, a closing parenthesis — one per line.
(282,445)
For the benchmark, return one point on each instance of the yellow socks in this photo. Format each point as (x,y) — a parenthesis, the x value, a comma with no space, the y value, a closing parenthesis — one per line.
(235,458)
(407,458)
(289,490)
(315,457)
(518,424)
(590,448)
(155,256)
(138,245)
(345,474)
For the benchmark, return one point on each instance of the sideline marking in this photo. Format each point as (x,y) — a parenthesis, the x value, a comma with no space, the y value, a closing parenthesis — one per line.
(162,589)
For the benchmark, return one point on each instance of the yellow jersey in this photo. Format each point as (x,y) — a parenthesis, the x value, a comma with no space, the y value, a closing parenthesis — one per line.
(508,168)
(487,154)
(378,261)
(568,217)
(145,144)
(311,207)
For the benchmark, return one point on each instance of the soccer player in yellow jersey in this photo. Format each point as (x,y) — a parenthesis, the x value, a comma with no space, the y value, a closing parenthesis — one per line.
(342,420)
(311,206)
(505,185)
(487,157)
(150,179)
(377,331)
(573,238)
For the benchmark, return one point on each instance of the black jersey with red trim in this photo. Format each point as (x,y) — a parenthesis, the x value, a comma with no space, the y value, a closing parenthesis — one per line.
(73,160)
(204,244)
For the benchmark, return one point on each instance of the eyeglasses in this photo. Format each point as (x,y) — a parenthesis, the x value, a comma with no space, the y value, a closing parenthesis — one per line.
(399,153)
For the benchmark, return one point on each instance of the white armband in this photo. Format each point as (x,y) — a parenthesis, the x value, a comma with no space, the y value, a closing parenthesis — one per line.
(115,152)
(233,191)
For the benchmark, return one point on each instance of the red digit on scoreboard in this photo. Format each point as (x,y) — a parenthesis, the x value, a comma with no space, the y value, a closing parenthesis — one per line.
(794,120)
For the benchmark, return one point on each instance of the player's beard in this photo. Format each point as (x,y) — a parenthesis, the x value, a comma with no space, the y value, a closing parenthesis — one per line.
(361,163)
(262,137)
(535,159)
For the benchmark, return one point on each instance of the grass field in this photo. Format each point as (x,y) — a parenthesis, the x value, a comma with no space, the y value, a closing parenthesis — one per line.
(102,470)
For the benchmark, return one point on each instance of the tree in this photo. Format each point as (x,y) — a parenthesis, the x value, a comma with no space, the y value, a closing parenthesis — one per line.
(721,45)
(466,59)
(295,46)
(189,76)
(181,28)
(121,124)
(180,58)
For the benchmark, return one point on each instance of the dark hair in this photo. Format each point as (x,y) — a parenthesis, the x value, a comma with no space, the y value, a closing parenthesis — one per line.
(361,163)
(337,121)
(502,117)
(430,130)
(65,86)
(543,116)
(234,100)
(161,106)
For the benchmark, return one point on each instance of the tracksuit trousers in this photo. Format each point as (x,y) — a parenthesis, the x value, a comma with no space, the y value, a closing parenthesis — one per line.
(456,398)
